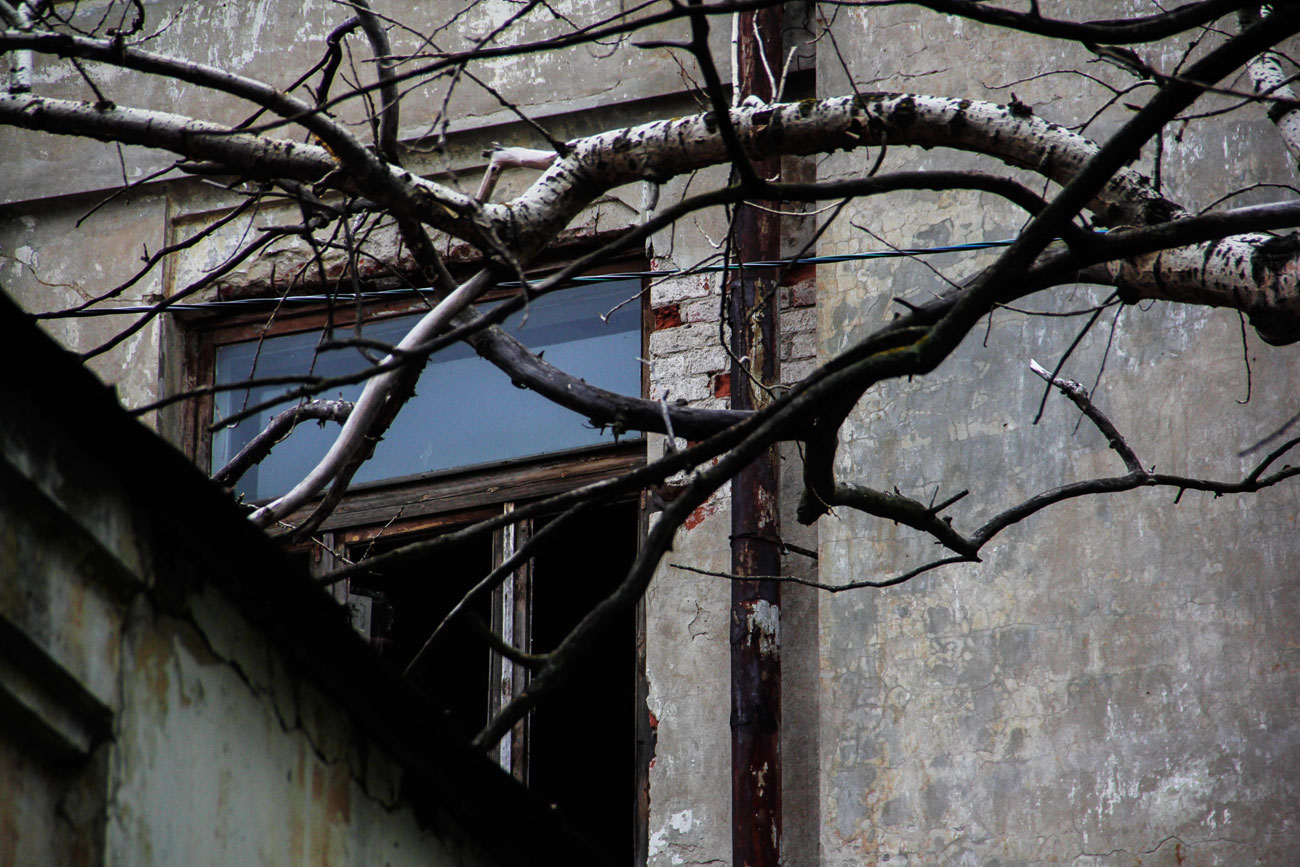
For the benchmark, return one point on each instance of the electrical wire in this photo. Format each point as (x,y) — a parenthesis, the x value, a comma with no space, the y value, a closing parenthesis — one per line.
(385,294)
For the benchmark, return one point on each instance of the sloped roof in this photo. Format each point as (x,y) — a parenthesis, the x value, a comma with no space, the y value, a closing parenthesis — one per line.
(47,389)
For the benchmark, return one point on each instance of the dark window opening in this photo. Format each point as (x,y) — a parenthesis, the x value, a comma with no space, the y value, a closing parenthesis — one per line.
(583,746)
(577,750)
(409,600)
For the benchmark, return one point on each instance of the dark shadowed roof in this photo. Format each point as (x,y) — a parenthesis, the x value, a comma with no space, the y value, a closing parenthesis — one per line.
(196,534)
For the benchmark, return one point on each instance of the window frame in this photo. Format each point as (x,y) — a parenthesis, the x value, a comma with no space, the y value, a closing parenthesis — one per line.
(436,492)
(442,500)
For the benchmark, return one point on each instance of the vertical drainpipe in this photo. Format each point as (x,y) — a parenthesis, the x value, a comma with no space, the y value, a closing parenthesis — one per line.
(755,527)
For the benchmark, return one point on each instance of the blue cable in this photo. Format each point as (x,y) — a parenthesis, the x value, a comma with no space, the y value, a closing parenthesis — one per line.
(596,278)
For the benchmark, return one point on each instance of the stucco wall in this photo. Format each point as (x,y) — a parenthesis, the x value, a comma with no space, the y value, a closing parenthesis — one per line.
(1116,683)
(173,691)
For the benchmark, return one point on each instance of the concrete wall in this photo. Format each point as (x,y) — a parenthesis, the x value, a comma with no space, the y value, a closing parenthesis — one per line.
(155,711)
(1117,682)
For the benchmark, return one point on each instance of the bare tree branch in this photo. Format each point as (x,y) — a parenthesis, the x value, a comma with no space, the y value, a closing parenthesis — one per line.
(344,183)
(1078,395)
(276,430)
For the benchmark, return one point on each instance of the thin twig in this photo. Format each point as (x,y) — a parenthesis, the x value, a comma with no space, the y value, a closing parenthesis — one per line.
(1078,395)
(829,588)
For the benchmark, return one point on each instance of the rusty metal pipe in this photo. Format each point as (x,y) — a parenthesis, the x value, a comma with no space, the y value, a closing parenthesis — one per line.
(753,315)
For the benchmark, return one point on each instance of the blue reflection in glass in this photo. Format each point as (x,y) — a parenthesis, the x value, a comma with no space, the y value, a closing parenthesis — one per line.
(464,412)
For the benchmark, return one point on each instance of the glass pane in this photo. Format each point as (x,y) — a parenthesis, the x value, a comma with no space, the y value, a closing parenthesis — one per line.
(464,412)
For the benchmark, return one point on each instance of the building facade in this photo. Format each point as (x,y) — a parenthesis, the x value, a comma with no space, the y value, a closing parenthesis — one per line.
(1114,683)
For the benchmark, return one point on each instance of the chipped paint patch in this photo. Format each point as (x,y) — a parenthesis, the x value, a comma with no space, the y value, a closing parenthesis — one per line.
(765,622)
(658,840)
(680,822)
(697,517)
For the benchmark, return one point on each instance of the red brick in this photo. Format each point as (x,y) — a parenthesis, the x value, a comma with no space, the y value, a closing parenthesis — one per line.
(668,316)
(803,294)
(722,385)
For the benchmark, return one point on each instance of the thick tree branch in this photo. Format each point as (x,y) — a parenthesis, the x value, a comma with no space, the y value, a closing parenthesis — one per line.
(357,167)
(619,411)
(390,108)
(665,148)
(903,510)
(242,153)
(501,158)
(1142,28)
(389,392)
(1270,79)
(371,402)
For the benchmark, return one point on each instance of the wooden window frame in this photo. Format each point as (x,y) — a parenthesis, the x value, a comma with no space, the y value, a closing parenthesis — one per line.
(444,499)
(424,495)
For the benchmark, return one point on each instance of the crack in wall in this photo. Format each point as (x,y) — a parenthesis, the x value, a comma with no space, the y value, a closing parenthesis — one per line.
(270,697)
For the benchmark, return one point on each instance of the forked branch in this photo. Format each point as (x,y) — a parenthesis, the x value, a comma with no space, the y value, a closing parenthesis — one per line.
(276,430)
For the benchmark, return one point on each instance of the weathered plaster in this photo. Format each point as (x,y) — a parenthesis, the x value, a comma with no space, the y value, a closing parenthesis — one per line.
(156,710)
(272,767)
(48,263)
(1116,683)
(687,652)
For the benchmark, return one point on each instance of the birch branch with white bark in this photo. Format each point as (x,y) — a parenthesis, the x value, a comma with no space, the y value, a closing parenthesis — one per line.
(1246,271)
(501,158)
(659,150)
(1269,79)
(370,402)
(1242,270)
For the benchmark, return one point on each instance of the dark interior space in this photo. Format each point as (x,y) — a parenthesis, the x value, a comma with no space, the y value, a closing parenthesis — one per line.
(581,740)
(582,750)
(416,596)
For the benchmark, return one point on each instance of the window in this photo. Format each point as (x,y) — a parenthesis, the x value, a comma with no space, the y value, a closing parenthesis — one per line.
(465,411)
(576,751)
(468,446)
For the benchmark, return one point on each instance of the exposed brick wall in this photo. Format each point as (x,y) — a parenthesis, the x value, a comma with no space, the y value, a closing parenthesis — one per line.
(684,345)
(688,358)
(798,329)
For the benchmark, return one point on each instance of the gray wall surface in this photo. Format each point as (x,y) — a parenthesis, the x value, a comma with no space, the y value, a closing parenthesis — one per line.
(1117,682)
(147,721)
